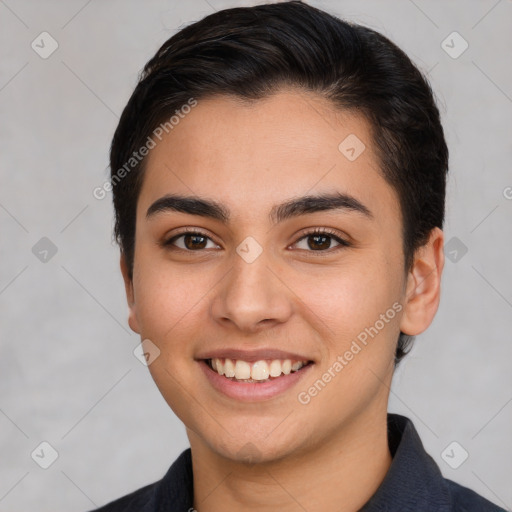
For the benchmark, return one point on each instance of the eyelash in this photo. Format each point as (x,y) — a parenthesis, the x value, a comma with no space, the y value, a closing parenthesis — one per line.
(317,231)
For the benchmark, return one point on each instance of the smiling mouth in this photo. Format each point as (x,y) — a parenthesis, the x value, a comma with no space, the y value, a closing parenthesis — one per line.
(261,371)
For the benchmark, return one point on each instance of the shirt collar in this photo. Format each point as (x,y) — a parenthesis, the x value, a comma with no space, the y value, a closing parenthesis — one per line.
(413,481)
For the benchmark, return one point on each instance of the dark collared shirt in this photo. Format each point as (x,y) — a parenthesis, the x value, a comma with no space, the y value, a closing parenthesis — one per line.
(413,483)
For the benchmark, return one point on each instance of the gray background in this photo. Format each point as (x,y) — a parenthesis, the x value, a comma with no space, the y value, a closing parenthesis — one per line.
(68,374)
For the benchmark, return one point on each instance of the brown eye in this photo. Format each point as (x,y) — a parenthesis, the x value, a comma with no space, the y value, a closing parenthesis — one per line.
(320,241)
(191,241)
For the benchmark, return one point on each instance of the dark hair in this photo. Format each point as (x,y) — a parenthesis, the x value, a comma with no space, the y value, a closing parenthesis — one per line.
(251,52)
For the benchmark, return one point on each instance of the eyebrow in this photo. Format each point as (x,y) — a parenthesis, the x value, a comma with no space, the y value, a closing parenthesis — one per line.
(195,205)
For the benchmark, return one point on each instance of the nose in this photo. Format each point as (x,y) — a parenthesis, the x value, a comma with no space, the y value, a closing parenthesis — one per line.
(252,297)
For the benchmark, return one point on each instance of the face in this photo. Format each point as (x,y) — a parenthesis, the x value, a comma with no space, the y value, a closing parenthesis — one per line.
(252,281)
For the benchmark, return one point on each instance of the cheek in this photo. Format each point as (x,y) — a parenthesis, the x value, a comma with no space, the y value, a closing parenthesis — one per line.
(171,305)
(351,297)
(168,298)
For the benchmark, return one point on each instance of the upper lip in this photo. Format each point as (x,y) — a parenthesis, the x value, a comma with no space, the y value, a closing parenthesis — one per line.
(251,356)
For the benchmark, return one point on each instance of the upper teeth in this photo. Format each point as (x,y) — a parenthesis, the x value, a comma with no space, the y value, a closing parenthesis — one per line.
(260,370)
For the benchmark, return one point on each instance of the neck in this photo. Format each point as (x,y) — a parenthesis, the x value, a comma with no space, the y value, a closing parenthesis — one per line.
(340,475)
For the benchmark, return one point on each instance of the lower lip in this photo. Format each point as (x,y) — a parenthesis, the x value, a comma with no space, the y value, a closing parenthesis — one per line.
(253,391)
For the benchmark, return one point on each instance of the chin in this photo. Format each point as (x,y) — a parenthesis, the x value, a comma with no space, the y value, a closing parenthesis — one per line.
(250,452)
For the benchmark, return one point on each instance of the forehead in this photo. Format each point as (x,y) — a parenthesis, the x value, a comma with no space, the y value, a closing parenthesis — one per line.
(255,154)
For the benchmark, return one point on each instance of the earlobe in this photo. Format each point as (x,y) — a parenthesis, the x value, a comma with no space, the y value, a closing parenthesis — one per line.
(130,295)
(424,285)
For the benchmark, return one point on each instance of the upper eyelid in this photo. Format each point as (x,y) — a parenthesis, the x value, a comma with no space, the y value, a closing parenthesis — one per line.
(189,231)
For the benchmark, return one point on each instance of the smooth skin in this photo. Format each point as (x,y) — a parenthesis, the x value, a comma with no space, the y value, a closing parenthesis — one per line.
(332,453)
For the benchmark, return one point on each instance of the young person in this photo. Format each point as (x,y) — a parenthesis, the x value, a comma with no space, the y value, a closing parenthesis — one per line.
(279,183)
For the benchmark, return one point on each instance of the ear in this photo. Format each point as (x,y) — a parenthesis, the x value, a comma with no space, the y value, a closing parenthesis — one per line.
(423,290)
(130,295)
